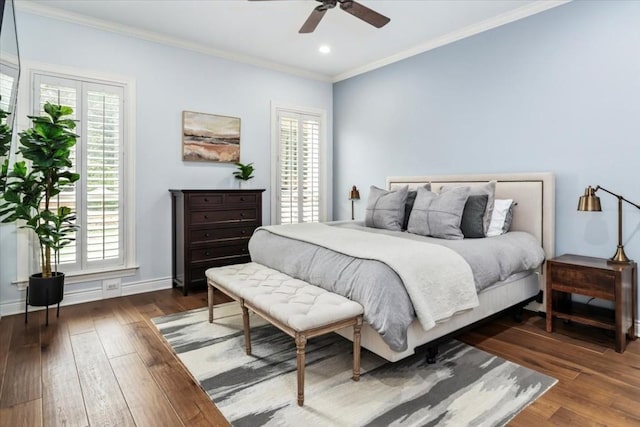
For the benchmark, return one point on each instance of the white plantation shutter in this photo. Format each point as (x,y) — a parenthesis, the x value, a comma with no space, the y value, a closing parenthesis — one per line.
(6,87)
(298,168)
(102,175)
(97,199)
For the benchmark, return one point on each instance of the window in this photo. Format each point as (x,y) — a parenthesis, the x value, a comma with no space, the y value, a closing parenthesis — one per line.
(99,197)
(9,74)
(299,166)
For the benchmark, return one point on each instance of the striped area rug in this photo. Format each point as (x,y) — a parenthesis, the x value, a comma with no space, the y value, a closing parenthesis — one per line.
(466,387)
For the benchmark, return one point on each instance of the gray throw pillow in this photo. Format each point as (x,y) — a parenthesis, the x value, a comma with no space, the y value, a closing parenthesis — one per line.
(476,190)
(438,215)
(472,225)
(411,198)
(385,209)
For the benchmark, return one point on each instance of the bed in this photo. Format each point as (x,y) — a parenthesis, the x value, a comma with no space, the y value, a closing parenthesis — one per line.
(533,224)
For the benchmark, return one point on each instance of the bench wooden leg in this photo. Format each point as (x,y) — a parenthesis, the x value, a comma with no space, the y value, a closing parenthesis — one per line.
(247,331)
(210,301)
(356,349)
(301,342)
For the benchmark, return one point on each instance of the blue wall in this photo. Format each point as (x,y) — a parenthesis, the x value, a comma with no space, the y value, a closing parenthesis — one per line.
(168,81)
(558,91)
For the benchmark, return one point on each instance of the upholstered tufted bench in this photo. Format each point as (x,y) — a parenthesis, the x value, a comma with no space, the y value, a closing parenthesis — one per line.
(298,308)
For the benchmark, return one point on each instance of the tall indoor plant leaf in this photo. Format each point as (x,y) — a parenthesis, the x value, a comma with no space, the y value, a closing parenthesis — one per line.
(33,183)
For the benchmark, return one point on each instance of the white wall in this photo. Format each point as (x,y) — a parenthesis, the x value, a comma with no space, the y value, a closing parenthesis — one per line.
(168,81)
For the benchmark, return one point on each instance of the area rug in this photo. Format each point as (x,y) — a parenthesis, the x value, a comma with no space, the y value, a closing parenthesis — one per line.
(466,387)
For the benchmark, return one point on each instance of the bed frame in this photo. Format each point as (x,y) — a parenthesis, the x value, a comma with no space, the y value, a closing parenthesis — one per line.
(534,213)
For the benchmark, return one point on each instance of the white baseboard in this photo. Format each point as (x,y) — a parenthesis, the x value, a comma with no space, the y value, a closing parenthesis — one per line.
(86,295)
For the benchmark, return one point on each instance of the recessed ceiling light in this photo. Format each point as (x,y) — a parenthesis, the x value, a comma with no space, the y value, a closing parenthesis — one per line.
(324,49)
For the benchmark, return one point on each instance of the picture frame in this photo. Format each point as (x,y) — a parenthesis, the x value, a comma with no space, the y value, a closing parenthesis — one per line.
(210,137)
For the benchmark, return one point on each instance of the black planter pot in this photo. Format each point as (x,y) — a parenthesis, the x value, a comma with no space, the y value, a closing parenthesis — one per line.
(45,291)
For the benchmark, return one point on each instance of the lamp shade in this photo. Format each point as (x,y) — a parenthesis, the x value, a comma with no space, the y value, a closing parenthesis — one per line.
(589,202)
(354,194)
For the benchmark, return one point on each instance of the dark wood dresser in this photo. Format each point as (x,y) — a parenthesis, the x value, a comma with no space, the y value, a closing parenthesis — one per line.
(211,228)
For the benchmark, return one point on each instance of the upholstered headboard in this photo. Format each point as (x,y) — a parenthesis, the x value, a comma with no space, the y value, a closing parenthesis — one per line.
(534,193)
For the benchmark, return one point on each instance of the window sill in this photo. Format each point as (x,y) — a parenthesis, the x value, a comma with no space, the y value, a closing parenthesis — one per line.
(88,276)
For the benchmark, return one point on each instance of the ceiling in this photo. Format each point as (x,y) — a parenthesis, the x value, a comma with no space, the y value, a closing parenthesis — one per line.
(265,33)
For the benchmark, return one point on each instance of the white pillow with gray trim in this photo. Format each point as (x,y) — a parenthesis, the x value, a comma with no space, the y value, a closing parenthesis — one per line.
(385,209)
(438,215)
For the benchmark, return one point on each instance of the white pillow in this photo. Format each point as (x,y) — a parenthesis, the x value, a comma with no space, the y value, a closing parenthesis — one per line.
(500,222)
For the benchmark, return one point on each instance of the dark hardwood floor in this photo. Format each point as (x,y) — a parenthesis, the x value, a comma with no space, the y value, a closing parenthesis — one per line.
(103,363)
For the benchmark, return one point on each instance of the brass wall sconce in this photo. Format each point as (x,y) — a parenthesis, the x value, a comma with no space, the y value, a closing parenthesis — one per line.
(354,194)
(591,203)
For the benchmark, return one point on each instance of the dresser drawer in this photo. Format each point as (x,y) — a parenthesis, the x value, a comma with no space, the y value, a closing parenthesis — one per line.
(213,252)
(215,234)
(230,215)
(596,283)
(214,201)
(206,199)
(198,275)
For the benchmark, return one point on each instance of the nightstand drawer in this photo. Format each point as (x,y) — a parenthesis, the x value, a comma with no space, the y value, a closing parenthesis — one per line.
(231,215)
(590,282)
(217,234)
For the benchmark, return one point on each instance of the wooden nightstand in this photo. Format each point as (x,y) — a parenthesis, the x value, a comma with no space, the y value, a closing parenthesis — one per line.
(593,277)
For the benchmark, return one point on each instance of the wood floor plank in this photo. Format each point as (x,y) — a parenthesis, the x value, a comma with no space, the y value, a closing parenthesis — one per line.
(103,398)
(147,402)
(566,417)
(78,318)
(124,310)
(190,402)
(22,382)
(27,414)
(6,330)
(114,338)
(63,404)
(582,405)
(188,399)
(148,344)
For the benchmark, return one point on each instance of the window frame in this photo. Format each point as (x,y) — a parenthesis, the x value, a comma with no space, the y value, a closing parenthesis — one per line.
(276,109)
(26,247)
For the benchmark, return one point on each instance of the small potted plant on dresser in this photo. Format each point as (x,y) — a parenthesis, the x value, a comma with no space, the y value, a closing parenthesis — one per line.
(31,192)
(244,173)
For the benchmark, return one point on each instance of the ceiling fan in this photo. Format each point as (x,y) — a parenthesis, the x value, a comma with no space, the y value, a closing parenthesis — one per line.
(350,6)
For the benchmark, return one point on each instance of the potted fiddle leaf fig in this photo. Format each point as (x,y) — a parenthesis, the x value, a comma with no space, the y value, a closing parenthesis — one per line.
(32,187)
(244,172)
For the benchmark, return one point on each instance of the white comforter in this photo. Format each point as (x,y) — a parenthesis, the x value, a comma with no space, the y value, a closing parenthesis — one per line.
(438,280)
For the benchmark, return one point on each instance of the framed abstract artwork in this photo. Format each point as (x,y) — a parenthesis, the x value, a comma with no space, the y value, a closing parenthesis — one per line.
(210,138)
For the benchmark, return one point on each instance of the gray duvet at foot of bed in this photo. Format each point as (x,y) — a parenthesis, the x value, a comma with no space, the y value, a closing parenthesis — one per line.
(373,284)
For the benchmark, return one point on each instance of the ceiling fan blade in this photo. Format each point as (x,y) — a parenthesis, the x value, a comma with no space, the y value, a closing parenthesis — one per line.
(363,12)
(313,20)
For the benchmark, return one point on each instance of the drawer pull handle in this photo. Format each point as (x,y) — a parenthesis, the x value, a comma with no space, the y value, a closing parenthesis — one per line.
(206,200)
(206,217)
(207,253)
(243,232)
(242,214)
(242,199)
(207,235)
(244,249)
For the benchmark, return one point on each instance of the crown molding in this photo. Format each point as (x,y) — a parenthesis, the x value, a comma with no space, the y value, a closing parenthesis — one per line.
(471,30)
(75,18)
(503,19)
